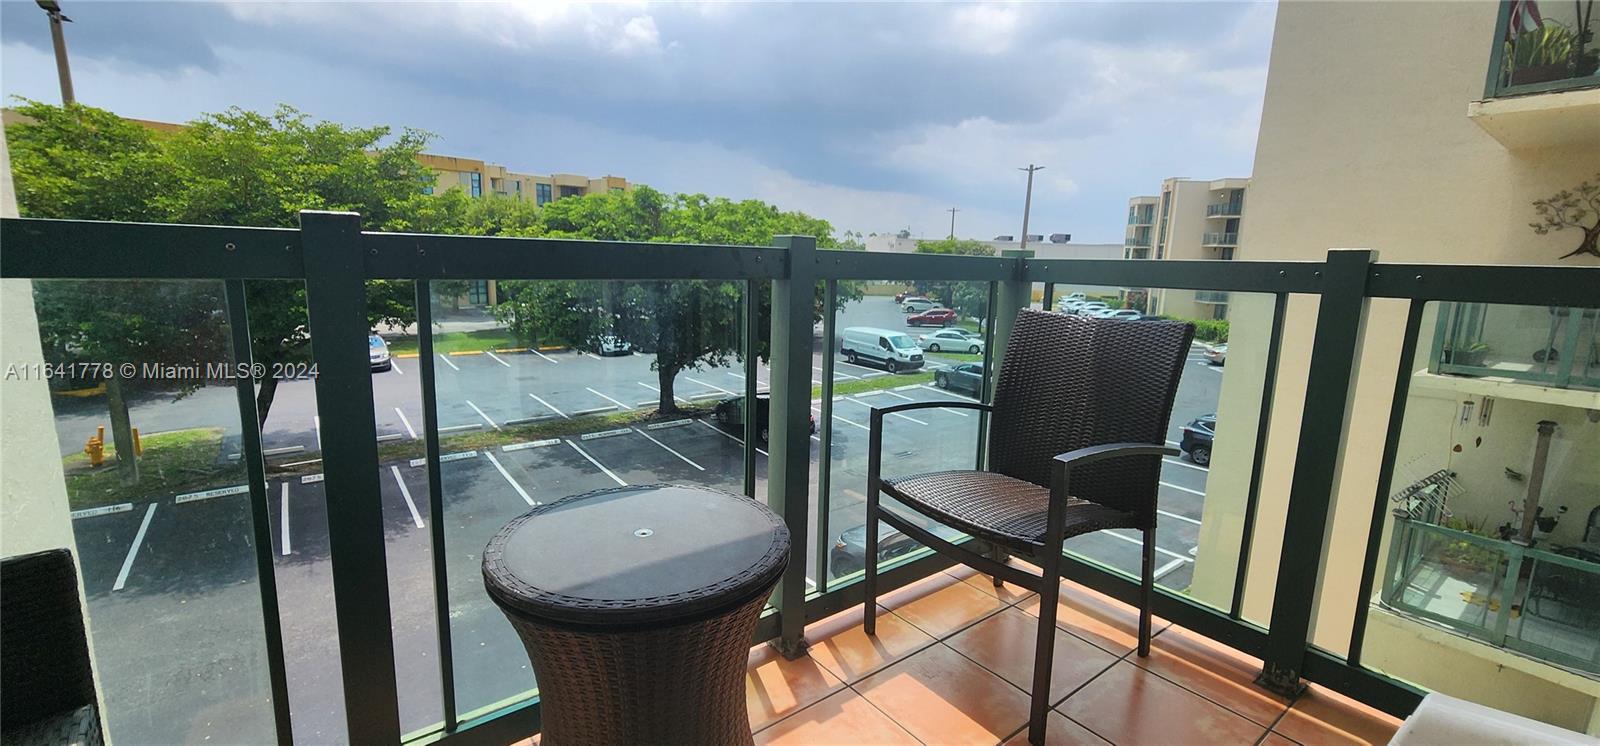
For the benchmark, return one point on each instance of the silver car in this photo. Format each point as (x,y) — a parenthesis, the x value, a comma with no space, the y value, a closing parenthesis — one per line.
(378,353)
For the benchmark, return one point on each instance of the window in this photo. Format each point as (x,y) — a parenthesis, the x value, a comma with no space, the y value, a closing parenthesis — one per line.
(478,293)
(518,182)
(477,184)
(541,194)
(571,191)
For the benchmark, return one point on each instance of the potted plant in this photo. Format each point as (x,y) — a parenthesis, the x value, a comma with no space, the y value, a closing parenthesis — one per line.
(1540,55)
(1471,355)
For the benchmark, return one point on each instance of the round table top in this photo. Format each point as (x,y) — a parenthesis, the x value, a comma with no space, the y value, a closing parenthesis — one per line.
(644,554)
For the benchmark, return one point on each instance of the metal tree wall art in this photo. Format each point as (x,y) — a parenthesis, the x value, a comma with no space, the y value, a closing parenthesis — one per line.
(1570,208)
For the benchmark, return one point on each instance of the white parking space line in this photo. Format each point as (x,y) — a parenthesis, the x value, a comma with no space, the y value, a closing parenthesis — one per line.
(1184,518)
(1173,443)
(283,517)
(1159,550)
(838,372)
(395,366)
(609,399)
(406,422)
(551,407)
(497,467)
(481,414)
(597,464)
(1217,369)
(447,362)
(405,492)
(544,357)
(496,358)
(1163,570)
(719,431)
(892,414)
(316,423)
(846,420)
(653,388)
(949,393)
(709,386)
(740,376)
(955,412)
(1183,489)
(133,551)
(1186,465)
(684,458)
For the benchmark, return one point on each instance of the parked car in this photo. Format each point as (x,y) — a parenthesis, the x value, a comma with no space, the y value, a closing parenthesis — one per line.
(1070,298)
(1090,308)
(932,317)
(1217,354)
(966,377)
(915,304)
(956,340)
(900,297)
(378,353)
(1124,314)
(1197,437)
(850,549)
(730,414)
(611,345)
(1069,306)
(890,349)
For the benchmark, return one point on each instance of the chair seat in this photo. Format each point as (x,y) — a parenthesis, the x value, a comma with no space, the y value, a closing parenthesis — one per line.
(1004,510)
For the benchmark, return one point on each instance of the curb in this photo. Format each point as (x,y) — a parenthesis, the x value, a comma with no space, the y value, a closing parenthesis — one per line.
(459,353)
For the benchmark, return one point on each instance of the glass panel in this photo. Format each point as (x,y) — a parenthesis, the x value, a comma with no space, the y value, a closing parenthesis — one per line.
(162,522)
(1491,541)
(1551,46)
(898,342)
(560,388)
(1555,346)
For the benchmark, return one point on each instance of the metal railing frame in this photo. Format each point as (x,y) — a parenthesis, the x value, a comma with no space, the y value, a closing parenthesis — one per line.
(333,258)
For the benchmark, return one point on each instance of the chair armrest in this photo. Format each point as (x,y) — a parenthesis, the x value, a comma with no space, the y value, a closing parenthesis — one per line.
(1063,464)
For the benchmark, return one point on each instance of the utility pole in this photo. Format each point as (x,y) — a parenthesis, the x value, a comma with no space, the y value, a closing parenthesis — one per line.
(952,212)
(1027,204)
(59,41)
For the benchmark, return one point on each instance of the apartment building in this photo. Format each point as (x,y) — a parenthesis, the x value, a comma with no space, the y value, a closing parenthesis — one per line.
(1375,137)
(1189,219)
(478,178)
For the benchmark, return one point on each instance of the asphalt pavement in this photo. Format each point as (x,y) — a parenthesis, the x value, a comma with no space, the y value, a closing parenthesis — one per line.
(171,579)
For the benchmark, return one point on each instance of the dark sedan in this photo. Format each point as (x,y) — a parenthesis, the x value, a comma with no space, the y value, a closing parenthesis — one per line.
(1197,437)
(967,377)
(730,414)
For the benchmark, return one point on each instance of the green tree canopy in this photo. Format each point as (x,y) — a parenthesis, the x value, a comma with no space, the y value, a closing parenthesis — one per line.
(958,246)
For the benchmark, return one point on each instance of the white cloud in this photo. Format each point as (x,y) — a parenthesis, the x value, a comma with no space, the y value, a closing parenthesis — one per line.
(986,28)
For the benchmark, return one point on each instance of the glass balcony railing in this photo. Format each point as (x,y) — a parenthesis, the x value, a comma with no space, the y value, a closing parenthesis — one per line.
(1542,603)
(1551,49)
(1137,242)
(1224,210)
(1219,239)
(1545,345)
(1217,297)
(313,569)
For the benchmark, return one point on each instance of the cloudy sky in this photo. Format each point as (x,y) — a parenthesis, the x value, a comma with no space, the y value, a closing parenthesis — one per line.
(875,116)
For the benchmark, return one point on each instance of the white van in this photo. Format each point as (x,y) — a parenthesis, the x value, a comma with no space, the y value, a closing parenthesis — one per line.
(894,350)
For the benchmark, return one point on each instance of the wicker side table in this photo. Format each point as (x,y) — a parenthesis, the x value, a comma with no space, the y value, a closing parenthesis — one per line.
(636,606)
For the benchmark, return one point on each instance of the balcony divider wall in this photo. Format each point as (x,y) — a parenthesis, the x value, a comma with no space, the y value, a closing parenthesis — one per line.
(333,257)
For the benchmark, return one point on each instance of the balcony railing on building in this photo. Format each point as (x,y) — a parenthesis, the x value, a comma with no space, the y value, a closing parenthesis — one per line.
(1215,297)
(1550,346)
(1218,240)
(1224,210)
(1555,50)
(1137,242)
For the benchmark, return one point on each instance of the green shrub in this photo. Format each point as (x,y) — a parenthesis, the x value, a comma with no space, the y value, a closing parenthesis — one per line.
(1210,330)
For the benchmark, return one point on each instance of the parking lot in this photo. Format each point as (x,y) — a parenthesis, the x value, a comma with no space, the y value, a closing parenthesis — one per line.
(188,559)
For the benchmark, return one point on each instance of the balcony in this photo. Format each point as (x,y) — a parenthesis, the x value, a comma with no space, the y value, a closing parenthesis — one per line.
(1542,86)
(1214,297)
(1137,242)
(1224,210)
(1219,240)
(316,577)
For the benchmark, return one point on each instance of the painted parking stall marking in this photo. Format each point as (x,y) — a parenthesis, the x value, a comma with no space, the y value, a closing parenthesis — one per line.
(481,414)
(669,449)
(102,510)
(597,464)
(551,407)
(607,398)
(406,422)
(719,431)
(448,362)
(496,358)
(522,493)
(133,551)
(188,497)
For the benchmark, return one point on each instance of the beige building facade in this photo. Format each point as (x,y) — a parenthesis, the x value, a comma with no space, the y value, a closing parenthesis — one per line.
(1374,136)
(479,178)
(1189,219)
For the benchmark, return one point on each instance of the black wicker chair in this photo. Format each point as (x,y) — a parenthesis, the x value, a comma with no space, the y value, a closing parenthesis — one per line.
(46,685)
(1076,435)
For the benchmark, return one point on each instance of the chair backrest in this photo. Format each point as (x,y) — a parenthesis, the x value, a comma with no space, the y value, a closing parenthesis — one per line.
(45,667)
(1070,381)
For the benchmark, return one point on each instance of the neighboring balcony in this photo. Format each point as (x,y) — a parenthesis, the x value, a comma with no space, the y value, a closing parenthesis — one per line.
(1219,240)
(1224,210)
(1213,297)
(1542,86)
(1137,242)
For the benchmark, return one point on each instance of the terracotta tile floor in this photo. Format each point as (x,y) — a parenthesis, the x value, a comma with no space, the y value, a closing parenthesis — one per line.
(953,660)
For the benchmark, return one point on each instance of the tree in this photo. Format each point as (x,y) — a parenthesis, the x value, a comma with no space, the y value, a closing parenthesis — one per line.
(233,168)
(970,299)
(1568,209)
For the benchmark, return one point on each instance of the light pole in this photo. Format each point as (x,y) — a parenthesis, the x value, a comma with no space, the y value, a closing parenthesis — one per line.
(59,41)
(952,212)
(1027,203)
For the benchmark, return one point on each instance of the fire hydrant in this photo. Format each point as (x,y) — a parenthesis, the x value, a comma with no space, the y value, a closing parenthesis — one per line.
(95,447)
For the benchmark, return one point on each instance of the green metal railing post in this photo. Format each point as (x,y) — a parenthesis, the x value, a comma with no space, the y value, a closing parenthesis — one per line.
(789,441)
(260,519)
(336,306)
(1012,296)
(1334,354)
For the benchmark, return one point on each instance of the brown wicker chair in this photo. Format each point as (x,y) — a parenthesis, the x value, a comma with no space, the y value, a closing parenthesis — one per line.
(1076,437)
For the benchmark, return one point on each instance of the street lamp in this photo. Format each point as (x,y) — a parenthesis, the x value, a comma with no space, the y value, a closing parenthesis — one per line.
(1027,204)
(59,41)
